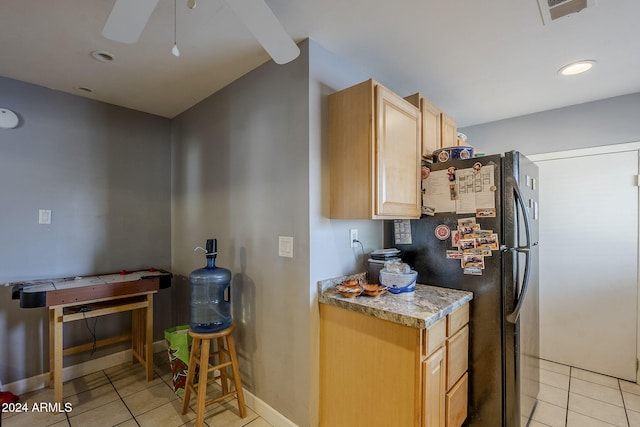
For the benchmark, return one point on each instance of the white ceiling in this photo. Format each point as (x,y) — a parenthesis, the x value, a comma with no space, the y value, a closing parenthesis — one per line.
(479,60)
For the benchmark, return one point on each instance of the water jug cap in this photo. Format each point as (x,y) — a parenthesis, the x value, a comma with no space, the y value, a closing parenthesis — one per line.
(212,247)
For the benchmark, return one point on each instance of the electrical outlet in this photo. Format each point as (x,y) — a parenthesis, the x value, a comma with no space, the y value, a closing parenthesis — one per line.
(353,237)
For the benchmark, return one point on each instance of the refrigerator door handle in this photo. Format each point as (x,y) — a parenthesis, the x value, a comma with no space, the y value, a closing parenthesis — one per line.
(513,317)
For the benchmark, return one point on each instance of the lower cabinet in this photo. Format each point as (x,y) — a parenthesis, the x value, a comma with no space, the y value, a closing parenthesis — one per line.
(434,380)
(374,372)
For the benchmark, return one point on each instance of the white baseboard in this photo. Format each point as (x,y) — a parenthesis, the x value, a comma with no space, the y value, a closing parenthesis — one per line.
(70,372)
(37,382)
(265,411)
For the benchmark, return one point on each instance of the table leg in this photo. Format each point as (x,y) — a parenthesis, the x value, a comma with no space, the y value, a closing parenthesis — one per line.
(57,353)
(51,349)
(149,338)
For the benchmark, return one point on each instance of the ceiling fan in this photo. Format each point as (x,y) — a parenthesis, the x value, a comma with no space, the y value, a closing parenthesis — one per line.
(129,17)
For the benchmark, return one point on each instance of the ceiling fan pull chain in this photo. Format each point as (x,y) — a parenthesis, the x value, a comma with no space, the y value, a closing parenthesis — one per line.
(175,50)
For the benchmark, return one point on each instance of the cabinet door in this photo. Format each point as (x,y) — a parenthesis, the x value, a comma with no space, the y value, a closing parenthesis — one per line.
(434,383)
(456,402)
(449,131)
(457,356)
(397,157)
(431,128)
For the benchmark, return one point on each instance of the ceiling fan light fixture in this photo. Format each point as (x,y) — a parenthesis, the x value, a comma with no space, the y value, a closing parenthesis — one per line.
(577,67)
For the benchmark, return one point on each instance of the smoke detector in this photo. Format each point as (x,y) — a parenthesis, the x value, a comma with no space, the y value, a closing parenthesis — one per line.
(550,10)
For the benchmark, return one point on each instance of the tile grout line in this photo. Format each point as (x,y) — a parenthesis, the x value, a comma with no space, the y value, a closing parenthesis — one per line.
(566,414)
(66,414)
(624,405)
(121,399)
(597,384)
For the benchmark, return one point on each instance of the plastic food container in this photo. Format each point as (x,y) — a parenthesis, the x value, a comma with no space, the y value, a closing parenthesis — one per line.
(399,282)
(446,154)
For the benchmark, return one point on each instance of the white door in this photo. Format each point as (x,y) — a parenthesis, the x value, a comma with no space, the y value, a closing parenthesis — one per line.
(589,259)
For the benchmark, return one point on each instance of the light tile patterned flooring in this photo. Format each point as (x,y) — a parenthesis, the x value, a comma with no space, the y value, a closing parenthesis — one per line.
(572,397)
(120,396)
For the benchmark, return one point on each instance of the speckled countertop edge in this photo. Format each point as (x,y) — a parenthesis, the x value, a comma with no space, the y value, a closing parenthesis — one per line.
(419,309)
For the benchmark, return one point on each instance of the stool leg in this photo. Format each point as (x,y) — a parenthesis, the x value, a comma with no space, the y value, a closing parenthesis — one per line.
(236,376)
(224,381)
(191,373)
(202,381)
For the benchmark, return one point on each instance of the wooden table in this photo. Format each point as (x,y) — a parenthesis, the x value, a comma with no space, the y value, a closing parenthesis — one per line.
(79,298)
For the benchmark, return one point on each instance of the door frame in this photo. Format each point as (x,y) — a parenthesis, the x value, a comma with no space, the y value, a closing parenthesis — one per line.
(607,149)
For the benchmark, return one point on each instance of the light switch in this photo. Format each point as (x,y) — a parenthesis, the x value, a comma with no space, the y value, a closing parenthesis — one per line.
(285,246)
(44,216)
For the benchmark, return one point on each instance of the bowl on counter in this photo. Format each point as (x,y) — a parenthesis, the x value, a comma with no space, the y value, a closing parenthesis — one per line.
(374,290)
(350,289)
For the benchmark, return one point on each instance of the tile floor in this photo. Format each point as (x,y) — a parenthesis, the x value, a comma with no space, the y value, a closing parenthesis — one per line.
(120,396)
(572,397)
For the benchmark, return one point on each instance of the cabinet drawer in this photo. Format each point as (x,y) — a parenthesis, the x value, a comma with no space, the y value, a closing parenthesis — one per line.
(434,336)
(456,402)
(457,356)
(457,319)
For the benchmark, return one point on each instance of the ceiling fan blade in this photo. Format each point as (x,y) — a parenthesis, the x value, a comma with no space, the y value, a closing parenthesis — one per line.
(127,20)
(266,28)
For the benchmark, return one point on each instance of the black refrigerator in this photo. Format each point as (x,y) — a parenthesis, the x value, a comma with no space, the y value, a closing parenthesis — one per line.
(479,233)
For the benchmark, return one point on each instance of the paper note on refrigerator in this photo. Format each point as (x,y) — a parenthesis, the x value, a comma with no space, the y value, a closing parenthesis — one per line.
(437,193)
(476,190)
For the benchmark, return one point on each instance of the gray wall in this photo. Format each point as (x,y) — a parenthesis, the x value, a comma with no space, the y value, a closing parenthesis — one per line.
(104,172)
(605,122)
(240,174)
(249,165)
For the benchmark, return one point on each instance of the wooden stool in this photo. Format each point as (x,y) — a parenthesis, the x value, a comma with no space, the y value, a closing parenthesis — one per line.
(200,353)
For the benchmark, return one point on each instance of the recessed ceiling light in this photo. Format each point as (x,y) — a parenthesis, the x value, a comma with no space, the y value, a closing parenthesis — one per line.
(83,89)
(576,67)
(102,56)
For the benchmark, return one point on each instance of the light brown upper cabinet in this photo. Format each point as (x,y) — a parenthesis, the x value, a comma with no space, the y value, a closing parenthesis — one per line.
(449,131)
(438,129)
(375,138)
(431,124)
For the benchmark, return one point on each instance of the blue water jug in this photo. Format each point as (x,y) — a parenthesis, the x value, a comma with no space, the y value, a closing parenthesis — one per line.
(210,294)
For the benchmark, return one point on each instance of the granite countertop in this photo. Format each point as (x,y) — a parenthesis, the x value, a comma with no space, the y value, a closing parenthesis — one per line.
(419,309)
